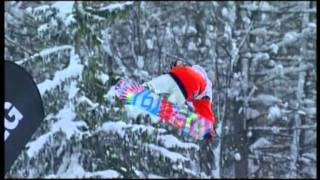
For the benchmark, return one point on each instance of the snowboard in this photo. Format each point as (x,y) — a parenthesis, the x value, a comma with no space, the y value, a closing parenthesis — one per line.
(132,93)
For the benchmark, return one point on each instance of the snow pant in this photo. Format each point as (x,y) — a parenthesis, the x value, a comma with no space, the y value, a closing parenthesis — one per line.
(166,84)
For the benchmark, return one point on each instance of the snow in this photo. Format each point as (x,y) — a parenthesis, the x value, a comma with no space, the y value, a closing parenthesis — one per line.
(290,37)
(311,156)
(170,141)
(149,43)
(215,4)
(266,99)
(311,110)
(64,123)
(103,77)
(280,70)
(274,48)
(65,11)
(73,169)
(275,129)
(43,27)
(252,6)
(140,62)
(192,46)
(120,127)
(139,173)
(45,52)
(116,6)
(153,176)
(225,12)
(189,171)
(274,112)
(110,94)
(263,6)
(259,31)
(87,100)
(115,127)
(41,8)
(165,152)
(252,113)
(35,146)
(266,6)
(104,174)
(73,90)
(261,142)
(264,17)
(217,152)
(190,30)
(261,57)
(29,9)
(237,156)
(249,134)
(73,70)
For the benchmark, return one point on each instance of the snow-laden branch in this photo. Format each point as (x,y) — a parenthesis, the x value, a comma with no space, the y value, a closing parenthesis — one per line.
(275,156)
(45,52)
(272,9)
(264,128)
(276,72)
(113,7)
(73,70)
(17,45)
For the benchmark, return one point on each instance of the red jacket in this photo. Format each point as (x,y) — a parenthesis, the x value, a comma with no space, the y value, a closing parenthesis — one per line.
(192,83)
(203,107)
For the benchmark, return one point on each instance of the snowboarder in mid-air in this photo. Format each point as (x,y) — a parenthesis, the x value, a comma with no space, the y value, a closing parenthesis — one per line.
(189,85)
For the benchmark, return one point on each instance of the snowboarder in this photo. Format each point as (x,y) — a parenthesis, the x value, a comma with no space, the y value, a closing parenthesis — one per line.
(189,85)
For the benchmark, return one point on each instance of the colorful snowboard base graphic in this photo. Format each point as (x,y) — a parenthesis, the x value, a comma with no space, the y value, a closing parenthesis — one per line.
(132,93)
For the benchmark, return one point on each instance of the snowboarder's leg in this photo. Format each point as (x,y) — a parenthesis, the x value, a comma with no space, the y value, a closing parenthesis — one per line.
(176,95)
(160,84)
(166,84)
